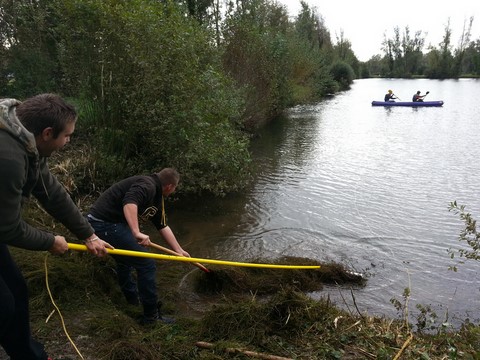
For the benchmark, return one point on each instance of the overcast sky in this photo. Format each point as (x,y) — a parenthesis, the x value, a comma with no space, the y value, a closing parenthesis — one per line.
(365,22)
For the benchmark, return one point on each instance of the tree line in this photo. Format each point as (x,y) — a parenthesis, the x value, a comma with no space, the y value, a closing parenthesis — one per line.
(405,56)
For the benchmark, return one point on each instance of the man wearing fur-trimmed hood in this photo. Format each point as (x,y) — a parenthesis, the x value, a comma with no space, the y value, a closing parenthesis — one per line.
(30,132)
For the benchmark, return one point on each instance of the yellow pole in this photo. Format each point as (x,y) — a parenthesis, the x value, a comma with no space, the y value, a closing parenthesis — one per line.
(171,252)
(189,259)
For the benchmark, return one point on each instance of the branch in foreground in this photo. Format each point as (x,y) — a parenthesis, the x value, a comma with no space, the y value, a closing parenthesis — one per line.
(206,345)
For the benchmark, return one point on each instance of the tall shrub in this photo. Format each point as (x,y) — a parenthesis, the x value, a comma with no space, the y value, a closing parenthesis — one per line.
(159,95)
(256,56)
(343,74)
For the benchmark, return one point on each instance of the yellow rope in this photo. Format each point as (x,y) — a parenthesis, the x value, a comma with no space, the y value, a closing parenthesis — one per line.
(58,310)
(164,218)
(122,252)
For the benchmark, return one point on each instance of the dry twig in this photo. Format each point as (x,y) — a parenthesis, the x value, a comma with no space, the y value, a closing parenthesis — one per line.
(405,344)
(206,345)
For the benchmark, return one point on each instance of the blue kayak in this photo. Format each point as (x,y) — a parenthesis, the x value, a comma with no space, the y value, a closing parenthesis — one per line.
(407,103)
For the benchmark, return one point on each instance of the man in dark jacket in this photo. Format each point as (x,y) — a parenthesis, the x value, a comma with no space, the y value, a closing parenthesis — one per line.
(115,217)
(30,132)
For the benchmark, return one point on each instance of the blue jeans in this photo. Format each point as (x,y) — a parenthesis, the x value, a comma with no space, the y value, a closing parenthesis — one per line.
(15,336)
(120,236)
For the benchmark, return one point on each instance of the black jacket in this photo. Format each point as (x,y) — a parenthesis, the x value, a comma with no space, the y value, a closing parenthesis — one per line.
(145,191)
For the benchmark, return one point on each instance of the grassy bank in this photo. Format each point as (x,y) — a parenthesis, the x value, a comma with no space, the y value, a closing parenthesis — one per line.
(265,312)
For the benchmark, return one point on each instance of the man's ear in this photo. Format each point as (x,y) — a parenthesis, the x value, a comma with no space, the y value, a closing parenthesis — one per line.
(47,134)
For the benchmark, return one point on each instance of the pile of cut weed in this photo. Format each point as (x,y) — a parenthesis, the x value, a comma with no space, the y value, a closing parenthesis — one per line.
(263,281)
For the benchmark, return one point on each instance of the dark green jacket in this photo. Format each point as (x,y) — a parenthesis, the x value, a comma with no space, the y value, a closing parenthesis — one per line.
(23,173)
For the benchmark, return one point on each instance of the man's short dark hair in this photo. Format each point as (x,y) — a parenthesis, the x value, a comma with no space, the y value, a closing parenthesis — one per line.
(46,110)
(169,176)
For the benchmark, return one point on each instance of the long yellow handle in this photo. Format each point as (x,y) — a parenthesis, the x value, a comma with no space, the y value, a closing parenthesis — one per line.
(189,259)
(171,252)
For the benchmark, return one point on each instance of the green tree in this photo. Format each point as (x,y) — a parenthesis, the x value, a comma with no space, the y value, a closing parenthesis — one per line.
(28,48)
(471,61)
(343,51)
(412,52)
(310,26)
(460,51)
(440,61)
(387,48)
(374,65)
(403,54)
(157,92)
(199,9)
(256,56)
(343,74)
(311,57)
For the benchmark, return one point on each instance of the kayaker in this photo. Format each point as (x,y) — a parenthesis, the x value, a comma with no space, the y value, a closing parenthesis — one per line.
(389,96)
(417,97)
(115,216)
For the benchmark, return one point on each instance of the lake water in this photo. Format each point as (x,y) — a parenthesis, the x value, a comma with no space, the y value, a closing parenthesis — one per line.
(365,186)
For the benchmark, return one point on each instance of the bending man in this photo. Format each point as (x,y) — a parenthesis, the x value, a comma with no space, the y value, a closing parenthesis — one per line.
(115,216)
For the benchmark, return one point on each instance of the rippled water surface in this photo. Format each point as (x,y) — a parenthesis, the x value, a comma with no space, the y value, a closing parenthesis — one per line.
(366,186)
